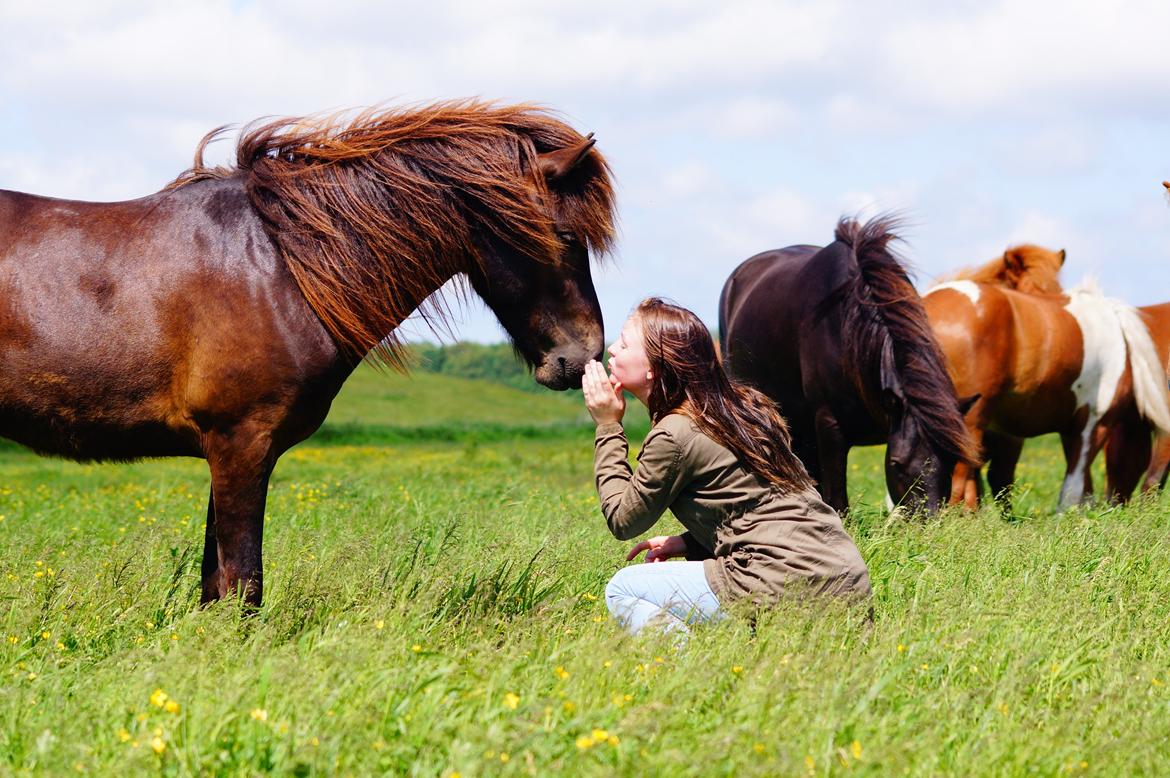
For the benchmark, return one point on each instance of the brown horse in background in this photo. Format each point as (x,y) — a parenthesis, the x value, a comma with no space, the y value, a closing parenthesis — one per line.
(1047,362)
(1125,440)
(219,317)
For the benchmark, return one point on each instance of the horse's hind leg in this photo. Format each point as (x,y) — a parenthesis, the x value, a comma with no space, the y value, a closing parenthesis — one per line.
(1003,454)
(1127,453)
(1077,443)
(1159,463)
(240,467)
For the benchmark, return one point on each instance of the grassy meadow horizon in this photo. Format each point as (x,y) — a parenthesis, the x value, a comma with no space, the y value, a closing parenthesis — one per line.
(434,569)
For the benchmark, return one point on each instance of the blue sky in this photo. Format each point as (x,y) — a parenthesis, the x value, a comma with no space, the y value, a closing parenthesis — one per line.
(733,127)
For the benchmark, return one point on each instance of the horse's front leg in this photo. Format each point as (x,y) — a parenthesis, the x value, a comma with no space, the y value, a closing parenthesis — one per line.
(832,457)
(965,478)
(241,464)
(1077,442)
(210,565)
(1003,454)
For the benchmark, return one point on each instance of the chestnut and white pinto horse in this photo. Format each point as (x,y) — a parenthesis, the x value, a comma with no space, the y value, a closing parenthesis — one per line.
(1043,363)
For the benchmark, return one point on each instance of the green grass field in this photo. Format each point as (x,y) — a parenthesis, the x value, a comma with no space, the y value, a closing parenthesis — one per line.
(434,568)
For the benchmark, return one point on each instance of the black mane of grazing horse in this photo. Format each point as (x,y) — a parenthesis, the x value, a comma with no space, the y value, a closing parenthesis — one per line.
(837,336)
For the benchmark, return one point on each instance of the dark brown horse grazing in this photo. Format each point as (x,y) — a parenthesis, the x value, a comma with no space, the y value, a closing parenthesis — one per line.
(219,317)
(838,338)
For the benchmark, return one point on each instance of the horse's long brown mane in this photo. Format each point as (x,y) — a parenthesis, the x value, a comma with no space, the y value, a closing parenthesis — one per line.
(373,211)
(886,326)
(1027,268)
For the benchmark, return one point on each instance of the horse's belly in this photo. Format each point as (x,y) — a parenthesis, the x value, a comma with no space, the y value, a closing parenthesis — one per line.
(90,439)
(1027,416)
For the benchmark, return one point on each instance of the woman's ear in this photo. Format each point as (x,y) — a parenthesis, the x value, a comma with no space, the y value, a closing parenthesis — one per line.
(649,376)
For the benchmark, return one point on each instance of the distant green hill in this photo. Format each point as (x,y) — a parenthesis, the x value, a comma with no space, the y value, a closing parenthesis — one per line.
(383,406)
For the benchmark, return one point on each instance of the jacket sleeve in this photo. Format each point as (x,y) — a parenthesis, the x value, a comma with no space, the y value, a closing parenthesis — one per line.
(633,501)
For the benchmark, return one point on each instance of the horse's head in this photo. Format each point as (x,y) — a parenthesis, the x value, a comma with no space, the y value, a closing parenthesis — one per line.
(1032,269)
(918,465)
(548,305)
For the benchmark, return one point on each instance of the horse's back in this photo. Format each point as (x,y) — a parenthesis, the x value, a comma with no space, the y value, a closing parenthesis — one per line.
(126,326)
(758,306)
(1019,352)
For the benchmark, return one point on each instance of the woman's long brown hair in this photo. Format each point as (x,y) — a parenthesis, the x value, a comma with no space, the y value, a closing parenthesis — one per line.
(689,379)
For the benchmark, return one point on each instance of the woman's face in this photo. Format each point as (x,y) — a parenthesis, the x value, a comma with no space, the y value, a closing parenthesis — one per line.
(628,362)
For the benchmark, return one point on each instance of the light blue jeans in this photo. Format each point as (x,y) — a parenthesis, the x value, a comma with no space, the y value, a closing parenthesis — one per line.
(671,594)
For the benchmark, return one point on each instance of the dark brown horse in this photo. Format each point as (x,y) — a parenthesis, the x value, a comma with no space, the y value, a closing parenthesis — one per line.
(219,317)
(839,339)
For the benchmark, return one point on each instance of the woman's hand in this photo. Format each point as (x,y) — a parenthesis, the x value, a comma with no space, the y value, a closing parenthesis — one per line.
(603,394)
(660,549)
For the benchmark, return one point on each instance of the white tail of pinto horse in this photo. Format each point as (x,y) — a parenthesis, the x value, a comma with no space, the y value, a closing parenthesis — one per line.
(1149,374)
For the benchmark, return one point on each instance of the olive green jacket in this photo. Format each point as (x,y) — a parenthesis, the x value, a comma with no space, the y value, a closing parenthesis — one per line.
(755,540)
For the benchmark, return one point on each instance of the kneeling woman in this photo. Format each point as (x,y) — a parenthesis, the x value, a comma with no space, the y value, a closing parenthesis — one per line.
(718,456)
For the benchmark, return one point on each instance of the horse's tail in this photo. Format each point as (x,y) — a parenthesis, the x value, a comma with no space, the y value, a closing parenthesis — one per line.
(1150,390)
(894,312)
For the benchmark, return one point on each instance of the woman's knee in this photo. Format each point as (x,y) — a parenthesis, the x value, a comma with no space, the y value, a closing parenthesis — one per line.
(618,589)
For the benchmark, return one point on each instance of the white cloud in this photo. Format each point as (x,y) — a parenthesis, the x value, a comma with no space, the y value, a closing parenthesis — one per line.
(733,127)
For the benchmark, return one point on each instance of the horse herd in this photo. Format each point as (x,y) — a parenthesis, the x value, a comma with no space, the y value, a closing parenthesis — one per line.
(952,380)
(219,317)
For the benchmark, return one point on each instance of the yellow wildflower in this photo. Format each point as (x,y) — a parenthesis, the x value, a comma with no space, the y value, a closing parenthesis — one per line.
(619,700)
(569,706)
(561,672)
(379,624)
(416,648)
(759,748)
(584,742)
(123,735)
(158,744)
(504,757)
(511,701)
(259,714)
(737,669)
(607,663)
(855,749)
(46,635)
(171,706)
(599,735)
(612,740)
(901,648)
(158,698)
(13,639)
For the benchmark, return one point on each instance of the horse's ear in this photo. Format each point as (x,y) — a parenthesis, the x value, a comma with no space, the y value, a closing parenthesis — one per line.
(967,403)
(1013,261)
(557,164)
(1166,184)
(1063,254)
